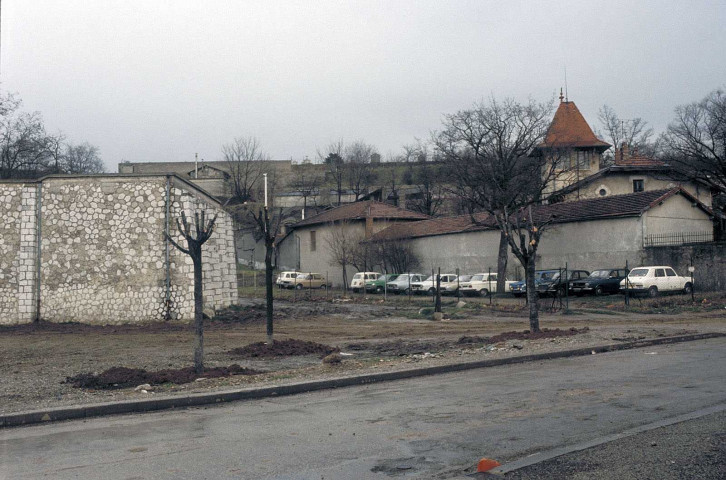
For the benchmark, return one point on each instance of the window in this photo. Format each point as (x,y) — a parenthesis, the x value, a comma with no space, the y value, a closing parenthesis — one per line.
(603,192)
(638,185)
(583,159)
(313,243)
(670,272)
(659,272)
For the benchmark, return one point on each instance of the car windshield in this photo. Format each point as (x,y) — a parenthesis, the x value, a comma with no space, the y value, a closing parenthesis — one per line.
(477,278)
(464,278)
(549,275)
(638,272)
(357,276)
(430,278)
(390,276)
(600,274)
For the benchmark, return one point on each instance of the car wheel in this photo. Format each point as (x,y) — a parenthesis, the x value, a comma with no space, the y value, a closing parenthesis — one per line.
(379,289)
(355,290)
(432,290)
(405,291)
(323,287)
(598,291)
(688,288)
(298,286)
(653,292)
(484,292)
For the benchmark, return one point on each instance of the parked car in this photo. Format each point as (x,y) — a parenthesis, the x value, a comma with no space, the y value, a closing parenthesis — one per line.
(519,289)
(655,280)
(309,280)
(360,279)
(429,285)
(453,287)
(560,282)
(379,284)
(600,282)
(286,279)
(481,284)
(402,283)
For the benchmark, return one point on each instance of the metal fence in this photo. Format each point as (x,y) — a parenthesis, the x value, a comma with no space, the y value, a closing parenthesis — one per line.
(677,239)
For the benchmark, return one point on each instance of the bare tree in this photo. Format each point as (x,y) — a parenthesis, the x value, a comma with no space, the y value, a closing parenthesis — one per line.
(695,142)
(365,256)
(244,159)
(634,132)
(332,157)
(307,181)
(341,244)
(265,225)
(359,172)
(22,141)
(81,158)
(490,153)
(398,256)
(203,230)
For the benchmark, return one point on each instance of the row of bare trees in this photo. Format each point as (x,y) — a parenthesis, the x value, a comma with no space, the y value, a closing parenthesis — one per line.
(28,151)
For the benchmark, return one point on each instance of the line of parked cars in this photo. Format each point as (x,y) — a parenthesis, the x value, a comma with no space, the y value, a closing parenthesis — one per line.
(650,281)
(647,280)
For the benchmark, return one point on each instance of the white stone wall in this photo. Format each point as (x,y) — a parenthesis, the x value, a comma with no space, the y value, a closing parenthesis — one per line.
(103,251)
(18,252)
(218,254)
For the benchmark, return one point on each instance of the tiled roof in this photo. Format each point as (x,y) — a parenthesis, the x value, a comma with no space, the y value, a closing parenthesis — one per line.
(615,206)
(625,157)
(569,130)
(361,210)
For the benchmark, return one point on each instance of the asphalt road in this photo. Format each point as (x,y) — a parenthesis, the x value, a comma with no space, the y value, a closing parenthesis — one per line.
(431,427)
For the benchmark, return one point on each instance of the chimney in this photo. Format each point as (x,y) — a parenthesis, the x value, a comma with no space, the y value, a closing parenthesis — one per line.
(369,223)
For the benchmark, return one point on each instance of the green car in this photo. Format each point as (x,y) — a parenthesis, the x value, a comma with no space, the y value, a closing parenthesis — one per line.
(379,284)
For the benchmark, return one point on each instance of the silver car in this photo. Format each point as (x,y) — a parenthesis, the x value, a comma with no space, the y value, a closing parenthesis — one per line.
(403,282)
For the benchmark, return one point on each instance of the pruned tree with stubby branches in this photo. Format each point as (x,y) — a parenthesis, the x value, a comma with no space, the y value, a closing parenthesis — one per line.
(195,239)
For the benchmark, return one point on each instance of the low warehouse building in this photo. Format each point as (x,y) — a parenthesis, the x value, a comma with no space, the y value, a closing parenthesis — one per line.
(587,234)
(93,249)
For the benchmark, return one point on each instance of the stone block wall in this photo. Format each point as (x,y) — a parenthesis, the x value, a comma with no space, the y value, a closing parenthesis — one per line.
(102,247)
(18,253)
(218,254)
(103,251)
(708,260)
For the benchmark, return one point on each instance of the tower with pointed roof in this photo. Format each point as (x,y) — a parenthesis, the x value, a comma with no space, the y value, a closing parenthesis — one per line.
(572,144)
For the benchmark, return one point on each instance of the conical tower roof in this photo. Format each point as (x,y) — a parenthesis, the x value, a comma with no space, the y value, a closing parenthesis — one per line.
(569,129)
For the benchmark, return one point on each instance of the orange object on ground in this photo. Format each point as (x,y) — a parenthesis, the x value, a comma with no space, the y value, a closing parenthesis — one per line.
(486,464)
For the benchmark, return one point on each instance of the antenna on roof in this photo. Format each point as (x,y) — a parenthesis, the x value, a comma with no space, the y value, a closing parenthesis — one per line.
(566,99)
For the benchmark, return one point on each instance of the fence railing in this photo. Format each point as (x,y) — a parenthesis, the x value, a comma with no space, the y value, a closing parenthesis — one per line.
(676,239)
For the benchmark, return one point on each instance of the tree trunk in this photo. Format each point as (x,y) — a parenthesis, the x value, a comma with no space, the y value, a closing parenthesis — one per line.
(345,280)
(502,262)
(268,290)
(532,296)
(198,313)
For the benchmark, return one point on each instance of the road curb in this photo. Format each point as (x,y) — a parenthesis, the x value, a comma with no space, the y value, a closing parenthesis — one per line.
(169,402)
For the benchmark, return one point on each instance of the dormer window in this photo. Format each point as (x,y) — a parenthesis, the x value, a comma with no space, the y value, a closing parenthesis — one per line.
(638,185)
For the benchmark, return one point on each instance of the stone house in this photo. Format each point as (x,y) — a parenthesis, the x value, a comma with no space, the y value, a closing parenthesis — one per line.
(585,234)
(631,173)
(571,143)
(308,240)
(92,249)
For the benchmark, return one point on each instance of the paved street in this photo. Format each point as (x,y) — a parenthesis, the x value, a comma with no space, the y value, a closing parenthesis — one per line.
(433,427)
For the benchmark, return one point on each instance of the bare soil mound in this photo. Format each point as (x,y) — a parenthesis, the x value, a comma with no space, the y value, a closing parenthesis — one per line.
(399,348)
(283,348)
(523,335)
(123,377)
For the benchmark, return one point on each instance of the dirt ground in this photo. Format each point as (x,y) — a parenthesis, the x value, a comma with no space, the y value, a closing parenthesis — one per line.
(372,335)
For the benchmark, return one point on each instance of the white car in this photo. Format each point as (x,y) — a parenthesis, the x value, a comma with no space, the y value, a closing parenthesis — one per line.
(286,279)
(483,283)
(360,279)
(655,280)
(448,282)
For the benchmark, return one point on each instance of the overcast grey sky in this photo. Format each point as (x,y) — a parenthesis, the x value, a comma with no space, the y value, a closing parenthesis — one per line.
(161,80)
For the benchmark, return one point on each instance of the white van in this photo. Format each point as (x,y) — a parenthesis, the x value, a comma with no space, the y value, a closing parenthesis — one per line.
(286,280)
(360,279)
